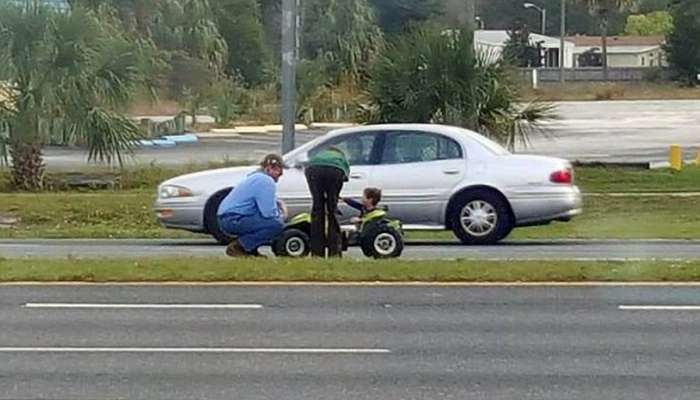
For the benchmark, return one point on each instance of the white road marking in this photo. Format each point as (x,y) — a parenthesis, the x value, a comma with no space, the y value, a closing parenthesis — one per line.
(660,308)
(149,306)
(190,350)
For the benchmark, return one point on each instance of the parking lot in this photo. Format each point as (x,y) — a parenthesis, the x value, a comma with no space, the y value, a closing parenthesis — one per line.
(619,131)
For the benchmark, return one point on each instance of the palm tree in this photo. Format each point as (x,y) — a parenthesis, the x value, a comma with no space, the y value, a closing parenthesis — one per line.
(66,73)
(602,9)
(343,32)
(433,76)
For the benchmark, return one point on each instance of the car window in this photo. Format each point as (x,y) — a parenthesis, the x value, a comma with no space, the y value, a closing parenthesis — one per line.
(357,147)
(411,147)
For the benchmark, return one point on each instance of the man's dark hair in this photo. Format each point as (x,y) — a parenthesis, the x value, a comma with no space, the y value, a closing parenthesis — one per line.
(272,160)
(373,194)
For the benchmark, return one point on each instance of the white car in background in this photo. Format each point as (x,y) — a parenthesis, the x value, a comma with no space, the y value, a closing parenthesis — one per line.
(433,177)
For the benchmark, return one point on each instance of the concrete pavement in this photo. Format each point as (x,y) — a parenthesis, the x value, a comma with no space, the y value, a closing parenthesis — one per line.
(437,343)
(417,250)
(612,131)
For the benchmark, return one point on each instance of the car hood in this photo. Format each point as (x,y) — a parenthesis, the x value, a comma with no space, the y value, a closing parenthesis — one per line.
(211,181)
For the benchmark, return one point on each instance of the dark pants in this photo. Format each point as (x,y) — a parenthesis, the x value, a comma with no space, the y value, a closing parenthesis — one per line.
(325,184)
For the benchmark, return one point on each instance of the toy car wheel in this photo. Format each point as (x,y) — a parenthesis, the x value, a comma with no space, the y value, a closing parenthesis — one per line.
(381,241)
(291,243)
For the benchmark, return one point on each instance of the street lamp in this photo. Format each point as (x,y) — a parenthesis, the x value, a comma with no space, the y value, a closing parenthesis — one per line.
(542,11)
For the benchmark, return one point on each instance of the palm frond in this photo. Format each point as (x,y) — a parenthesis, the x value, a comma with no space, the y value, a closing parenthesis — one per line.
(109,135)
(433,75)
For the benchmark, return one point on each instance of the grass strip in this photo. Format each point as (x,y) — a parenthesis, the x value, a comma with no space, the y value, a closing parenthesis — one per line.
(589,178)
(346,270)
(130,215)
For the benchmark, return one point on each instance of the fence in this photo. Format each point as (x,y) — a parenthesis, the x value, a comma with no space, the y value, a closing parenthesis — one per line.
(630,74)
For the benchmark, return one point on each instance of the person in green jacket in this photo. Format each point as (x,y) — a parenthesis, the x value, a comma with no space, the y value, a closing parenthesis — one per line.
(325,174)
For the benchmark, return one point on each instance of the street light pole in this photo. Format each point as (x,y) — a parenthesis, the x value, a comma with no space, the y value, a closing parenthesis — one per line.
(470,15)
(562,49)
(289,39)
(544,21)
(543,12)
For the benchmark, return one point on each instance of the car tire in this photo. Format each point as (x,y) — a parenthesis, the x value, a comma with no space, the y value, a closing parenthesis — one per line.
(379,240)
(211,221)
(291,243)
(481,217)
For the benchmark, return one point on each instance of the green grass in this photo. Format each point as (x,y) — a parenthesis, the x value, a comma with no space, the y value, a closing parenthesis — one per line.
(227,270)
(573,91)
(84,215)
(129,178)
(610,180)
(129,215)
(589,178)
(616,218)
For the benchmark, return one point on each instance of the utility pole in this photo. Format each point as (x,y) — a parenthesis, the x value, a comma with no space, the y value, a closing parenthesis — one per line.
(289,91)
(562,48)
(470,15)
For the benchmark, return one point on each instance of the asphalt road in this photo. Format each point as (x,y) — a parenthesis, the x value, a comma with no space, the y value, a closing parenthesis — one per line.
(349,343)
(520,250)
(619,131)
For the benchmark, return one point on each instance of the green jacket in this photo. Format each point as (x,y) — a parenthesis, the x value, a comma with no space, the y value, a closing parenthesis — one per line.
(331,158)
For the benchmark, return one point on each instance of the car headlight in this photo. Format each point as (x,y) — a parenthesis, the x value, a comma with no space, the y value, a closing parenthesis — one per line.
(172,191)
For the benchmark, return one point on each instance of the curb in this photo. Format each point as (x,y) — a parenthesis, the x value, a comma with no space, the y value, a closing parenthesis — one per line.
(360,283)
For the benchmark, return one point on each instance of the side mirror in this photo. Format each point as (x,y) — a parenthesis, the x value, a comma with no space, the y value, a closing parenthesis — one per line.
(295,165)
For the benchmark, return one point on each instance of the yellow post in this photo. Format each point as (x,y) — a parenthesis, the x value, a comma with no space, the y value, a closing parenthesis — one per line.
(676,157)
(697,160)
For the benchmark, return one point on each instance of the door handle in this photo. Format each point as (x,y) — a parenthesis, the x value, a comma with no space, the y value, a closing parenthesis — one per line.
(450,171)
(357,176)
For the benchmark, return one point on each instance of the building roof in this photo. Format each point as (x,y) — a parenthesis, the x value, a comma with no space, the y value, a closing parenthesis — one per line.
(499,38)
(617,41)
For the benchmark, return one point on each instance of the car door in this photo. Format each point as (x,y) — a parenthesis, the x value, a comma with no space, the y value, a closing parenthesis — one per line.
(417,172)
(360,148)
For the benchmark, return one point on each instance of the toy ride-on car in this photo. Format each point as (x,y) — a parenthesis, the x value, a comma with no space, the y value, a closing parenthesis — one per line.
(376,234)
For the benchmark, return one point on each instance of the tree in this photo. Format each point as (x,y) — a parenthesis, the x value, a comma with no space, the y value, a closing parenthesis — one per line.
(185,34)
(67,73)
(683,46)
(240,25)
(397,15)
(652,24)
(501,14)
(519,49)
(344,32)
(429,76)
(602,9)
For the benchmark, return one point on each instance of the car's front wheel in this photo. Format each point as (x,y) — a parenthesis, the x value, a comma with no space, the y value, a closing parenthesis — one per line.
(481,217)
(211,221)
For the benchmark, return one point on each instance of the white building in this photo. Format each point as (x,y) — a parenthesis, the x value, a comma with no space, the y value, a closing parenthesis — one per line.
(623,51)
(493,42)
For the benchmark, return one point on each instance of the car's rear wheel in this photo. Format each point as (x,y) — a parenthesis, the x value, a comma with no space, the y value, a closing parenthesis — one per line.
(211,221)
(481,217)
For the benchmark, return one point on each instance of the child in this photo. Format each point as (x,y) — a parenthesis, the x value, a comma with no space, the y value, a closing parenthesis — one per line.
(370,199)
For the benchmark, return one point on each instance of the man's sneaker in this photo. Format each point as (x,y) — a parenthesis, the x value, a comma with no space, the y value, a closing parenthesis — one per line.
(234,249)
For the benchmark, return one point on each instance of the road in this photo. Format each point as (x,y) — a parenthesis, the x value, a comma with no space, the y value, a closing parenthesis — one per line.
(619,131)
(518,250)
(321,342)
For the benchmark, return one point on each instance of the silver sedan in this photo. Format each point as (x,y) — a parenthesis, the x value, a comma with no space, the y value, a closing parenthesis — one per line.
(432,177)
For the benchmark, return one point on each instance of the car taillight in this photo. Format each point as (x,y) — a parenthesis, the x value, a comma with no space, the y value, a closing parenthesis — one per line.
(565,176)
